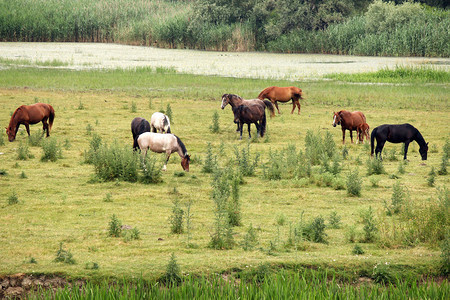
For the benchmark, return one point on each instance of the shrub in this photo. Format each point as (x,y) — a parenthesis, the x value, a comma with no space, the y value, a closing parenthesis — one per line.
(445,254)
(169,113)
(315,231)
(94,146)
(250,239)
(246,165)
(381,274)
(13,199)
(115,227)
(64,256)
(351,234)
(214,128)
(151,171)
(374,180)
(23,175)
(210,163)
(274,167)
(334,220)
(35,139)
(176,220)
(375,166)
(357,250)
(23,152)
(172,275)
(397,200)
(370,227)
(51,150)
(234,206)
(108,198)
(133,107)
(431,177)
(354,183)
(444,163)
(116,162)
(401,167)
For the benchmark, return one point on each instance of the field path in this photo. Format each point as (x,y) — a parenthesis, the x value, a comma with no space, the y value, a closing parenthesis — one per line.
(230,64)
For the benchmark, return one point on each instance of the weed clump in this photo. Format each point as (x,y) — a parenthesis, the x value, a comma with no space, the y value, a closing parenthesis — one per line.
(375,166)
(13,199)
(64,256)
(250,239)
(51,150)
(115,227)
(214,127)
(172,277)
(176,220)
(354,184)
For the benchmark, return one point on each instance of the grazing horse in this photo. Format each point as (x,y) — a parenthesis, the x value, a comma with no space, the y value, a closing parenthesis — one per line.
(404,133)
(363,131)
(282,94)
(250,114)
(138,126)
(31,114)
(348,120)
(168,143)
(256,104)
(160,122)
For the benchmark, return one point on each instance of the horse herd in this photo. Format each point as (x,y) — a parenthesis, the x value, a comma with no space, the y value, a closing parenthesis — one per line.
(157,135)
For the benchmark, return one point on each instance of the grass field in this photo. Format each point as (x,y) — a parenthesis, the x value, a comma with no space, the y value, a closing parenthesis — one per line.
(63,202)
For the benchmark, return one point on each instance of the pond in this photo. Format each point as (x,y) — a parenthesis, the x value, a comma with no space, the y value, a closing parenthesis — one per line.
(230,64)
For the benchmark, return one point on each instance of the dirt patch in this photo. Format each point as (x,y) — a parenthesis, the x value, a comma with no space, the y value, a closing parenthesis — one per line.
(19,285)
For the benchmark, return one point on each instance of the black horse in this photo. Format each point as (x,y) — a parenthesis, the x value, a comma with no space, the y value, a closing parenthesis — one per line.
(404,133)
(138,126)
(244,114)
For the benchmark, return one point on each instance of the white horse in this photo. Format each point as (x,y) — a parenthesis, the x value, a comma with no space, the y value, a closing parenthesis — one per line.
(168,143)
(160,122)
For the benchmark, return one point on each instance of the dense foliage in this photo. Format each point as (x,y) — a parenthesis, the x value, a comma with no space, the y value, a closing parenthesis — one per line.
(360,27)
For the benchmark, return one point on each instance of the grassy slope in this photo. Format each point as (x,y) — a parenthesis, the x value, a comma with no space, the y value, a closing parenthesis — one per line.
(57,204)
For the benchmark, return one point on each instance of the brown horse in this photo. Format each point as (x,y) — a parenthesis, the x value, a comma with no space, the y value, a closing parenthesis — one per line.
(252,111)
(31,114)
(363,131)
(348,120)
(282,94)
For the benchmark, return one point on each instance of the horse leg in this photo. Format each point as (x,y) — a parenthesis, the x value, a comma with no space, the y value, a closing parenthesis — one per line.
(351,135)
(241,126)
(167,160)
(249,135)
(276,105)
(298,105)
(379,148)
(27,126)
(45,127)
(293,106)
(343,136)
(406,150)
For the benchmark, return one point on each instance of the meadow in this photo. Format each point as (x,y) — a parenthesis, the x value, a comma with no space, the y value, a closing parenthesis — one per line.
(49,208)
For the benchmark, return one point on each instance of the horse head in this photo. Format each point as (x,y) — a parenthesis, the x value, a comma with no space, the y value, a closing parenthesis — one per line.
(185,162)
(225,100)
(336,119)
(423,150)
(11,133)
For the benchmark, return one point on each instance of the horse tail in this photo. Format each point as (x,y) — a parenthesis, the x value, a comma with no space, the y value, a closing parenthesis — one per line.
(269,105)
(51,118)
(372,140)
(262,130)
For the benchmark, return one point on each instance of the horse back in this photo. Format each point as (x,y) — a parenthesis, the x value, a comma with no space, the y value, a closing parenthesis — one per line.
(34,113)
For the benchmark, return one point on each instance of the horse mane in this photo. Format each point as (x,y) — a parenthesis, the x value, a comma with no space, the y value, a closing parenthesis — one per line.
(14,114)
(419,138)
(166,121)
(143,127)
(182,146)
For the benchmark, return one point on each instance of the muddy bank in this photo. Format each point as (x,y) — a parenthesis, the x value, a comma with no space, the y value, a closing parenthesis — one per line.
(230,64)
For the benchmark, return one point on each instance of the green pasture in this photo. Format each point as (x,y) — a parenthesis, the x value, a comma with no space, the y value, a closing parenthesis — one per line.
(63,201)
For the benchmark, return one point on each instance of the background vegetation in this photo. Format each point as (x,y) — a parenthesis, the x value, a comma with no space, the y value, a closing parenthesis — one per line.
(362,27)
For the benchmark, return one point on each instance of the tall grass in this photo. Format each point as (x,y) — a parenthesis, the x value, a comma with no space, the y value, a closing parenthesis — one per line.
(306,284)
(402,30)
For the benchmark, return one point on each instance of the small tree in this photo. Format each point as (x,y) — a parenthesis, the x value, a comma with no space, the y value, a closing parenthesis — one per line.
(169,113)
(115,227)
(354,183)
(172,275)
(214,128)
(176,220)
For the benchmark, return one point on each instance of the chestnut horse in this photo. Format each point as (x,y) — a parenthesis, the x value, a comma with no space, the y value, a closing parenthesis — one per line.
(348,120)
(31,114)
(403,133)
(168,143)
(138,126)
(363,131)
(282,94)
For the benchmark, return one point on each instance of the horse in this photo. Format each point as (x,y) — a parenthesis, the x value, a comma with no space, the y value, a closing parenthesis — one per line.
(348,120)
(282,94)
(138,126)
(160,122)
(168,143)
(256,104)
(363,131)
(250,114)
(404,133)
(31,114)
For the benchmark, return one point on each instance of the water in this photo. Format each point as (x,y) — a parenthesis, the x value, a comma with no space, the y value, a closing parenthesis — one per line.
(230,64)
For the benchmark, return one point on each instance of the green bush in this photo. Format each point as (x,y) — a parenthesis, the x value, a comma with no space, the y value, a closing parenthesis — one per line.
(23,151)
(315,231)
(250,239)
(176,219)
(151,170)
(51,150)
(354,184)
(210,163)
(115,227)
(214,127)
(370,228)
(173,275)
(397,200)
(375,166)
(247,165)
(116,162)
(64,256)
